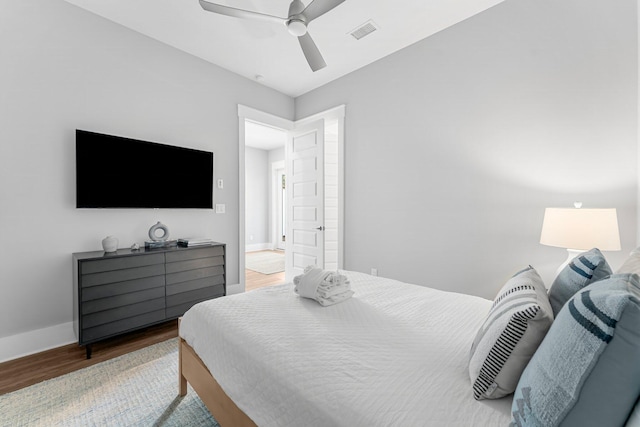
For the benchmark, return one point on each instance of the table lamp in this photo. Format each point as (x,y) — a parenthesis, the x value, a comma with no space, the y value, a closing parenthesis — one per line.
(578,230)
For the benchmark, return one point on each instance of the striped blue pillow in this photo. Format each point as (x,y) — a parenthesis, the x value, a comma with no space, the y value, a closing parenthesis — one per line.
(583,270)
(586,371)
(516,324)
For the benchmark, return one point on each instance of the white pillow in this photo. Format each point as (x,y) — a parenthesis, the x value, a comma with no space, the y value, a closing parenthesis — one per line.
(631,264)
(514,328)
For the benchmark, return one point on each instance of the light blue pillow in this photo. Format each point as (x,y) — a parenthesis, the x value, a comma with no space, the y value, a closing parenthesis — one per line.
(583,270)
(586,371)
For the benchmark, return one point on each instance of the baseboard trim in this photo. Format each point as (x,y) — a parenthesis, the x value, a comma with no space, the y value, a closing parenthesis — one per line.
(258,247)
(31,342)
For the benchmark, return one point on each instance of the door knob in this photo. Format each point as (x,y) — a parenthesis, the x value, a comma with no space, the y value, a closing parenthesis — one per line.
(321,228)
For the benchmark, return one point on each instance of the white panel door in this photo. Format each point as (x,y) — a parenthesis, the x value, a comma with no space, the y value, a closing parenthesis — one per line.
(304,156)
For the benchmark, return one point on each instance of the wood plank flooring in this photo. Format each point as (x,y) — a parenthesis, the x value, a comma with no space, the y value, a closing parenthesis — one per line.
(255,280)
(29,370)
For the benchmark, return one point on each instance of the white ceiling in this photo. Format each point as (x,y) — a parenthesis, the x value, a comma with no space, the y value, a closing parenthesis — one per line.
(255,48)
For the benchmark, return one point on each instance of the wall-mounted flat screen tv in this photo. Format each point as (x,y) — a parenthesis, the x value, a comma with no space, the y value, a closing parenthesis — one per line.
(116,172)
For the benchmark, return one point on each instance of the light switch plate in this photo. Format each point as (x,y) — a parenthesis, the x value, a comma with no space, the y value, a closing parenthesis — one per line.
(220,208)
(220,184)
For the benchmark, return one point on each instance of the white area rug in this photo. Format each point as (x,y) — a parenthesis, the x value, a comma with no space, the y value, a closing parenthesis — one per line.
(136,389)
(265,262)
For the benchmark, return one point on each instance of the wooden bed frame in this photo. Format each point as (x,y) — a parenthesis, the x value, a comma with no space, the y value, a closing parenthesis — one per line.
(192,370)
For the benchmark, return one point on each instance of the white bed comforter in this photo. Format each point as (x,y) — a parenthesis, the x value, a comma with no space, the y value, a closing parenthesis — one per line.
(393,355)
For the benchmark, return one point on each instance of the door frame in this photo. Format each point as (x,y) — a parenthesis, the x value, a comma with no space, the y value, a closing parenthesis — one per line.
(248,113)
(276,197)
(252,114)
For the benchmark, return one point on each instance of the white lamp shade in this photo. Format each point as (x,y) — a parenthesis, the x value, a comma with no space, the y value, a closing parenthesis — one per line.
(581,229)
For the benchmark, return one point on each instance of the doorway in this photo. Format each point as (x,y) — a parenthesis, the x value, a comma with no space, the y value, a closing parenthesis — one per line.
(264,205)
(333,209)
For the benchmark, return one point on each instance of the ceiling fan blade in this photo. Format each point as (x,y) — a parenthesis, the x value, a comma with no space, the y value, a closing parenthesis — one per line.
(319,7)
(240,13)
(311,52)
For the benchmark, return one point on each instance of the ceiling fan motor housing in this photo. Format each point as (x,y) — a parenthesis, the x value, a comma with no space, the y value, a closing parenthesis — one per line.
(297,27)
(297,23)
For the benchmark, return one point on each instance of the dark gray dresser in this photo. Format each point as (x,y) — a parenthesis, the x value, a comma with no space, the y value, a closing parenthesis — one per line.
(123,291)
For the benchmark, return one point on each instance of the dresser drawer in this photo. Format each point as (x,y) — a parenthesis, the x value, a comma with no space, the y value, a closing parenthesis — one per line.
(112,289)
(121,275)
(178,310)
(192,264)
(123,312)
(119,263)
(195,295)
(123,325)
(192,285)
(121,300)
(200,273)
(182,255)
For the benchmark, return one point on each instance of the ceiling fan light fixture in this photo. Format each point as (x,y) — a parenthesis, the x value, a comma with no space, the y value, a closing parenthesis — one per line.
(297,27)
(296,22)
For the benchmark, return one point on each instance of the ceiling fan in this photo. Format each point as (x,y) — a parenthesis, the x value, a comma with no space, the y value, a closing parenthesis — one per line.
(297,21)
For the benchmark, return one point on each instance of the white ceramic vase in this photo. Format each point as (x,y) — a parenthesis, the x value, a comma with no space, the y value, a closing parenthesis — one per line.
(110,244)
(153,232)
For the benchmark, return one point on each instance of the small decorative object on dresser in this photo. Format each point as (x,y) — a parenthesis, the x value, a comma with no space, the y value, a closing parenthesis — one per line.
(110,244)
(153,232)
(187,243)
(159,241)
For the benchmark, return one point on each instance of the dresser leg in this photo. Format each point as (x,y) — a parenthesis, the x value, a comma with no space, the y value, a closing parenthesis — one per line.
(88,349)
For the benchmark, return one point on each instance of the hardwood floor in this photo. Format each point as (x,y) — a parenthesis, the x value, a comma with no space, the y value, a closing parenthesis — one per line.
(255,280)
(29,370)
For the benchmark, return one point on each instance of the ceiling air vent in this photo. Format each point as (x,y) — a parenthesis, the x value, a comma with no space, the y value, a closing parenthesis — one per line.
(364,30)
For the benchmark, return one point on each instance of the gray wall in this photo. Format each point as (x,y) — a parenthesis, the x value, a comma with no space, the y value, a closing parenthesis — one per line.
(275,155)
(257,189)
(456,144)
(258,192)
(64,68)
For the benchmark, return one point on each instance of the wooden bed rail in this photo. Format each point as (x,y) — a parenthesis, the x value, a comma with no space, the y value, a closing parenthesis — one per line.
(191,369)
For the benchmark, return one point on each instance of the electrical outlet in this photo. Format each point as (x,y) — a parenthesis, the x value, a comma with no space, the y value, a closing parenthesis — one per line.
(374,271)
(220,184)
(220,208)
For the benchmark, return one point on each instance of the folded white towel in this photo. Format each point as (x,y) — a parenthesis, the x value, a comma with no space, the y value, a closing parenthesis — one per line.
(326,287)
(335,298)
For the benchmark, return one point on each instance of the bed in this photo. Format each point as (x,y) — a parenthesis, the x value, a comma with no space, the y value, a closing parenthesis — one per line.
(393,354)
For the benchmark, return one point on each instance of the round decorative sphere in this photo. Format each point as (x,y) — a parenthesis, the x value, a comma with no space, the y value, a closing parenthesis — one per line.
(153,235)
(110,244)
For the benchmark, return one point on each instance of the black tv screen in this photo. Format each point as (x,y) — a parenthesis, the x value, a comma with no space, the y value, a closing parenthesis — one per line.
(116,172)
